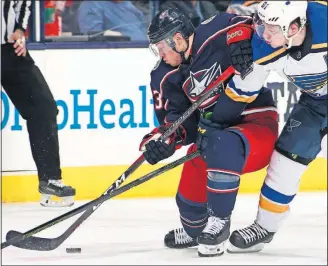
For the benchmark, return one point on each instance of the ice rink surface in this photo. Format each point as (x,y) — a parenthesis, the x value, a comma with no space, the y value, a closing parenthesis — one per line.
(132,232)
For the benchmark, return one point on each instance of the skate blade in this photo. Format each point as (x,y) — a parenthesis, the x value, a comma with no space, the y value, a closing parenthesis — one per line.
(210,251)
(53,201)
(256,248)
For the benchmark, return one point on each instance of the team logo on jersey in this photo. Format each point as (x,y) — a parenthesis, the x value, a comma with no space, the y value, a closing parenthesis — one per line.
(292,124)
(309,83)
(197,83)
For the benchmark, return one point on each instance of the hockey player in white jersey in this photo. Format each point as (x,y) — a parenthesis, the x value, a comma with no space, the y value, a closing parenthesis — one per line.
(290,38)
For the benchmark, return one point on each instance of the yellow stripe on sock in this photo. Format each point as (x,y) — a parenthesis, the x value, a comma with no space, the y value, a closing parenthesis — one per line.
(272,207)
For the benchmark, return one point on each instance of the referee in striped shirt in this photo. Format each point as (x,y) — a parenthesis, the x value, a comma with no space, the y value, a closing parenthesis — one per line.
(28,90)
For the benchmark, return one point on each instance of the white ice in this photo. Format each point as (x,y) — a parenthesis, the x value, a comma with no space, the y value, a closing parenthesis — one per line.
(132,231)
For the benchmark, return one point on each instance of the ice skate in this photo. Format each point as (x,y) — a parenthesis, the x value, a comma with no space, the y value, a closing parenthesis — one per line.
(249,239)
(51,188)
(212,239)
(178,239)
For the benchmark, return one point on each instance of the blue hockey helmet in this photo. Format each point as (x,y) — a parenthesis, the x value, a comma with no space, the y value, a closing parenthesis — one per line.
(165,24)
(168,22)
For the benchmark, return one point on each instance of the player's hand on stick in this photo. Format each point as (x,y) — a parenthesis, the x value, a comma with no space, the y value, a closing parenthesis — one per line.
(156,150)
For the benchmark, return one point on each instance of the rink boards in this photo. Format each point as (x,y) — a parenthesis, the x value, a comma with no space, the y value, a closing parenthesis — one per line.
(90,182)
(105,108)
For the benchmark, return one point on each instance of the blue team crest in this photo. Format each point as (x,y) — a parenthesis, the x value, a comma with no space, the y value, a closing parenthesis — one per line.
(197,83)
(292,124)
(310,83)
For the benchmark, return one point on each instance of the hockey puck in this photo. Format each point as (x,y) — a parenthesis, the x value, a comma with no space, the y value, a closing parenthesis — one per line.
(73,250)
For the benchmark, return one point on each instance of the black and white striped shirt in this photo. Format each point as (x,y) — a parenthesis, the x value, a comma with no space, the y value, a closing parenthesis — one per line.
(14,15)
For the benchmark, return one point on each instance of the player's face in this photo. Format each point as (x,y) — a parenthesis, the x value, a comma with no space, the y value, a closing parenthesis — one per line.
(272,34)
(163,49)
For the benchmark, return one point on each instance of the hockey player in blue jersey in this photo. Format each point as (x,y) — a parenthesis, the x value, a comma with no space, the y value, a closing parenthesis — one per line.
(244,145)
(291,39)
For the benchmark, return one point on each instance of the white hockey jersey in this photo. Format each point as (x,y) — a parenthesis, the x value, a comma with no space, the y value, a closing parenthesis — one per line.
(305,66)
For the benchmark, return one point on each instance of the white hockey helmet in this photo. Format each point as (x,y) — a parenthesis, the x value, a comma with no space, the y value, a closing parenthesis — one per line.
(281,13)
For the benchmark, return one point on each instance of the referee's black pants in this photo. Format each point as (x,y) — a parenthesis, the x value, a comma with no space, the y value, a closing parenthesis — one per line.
(26,87)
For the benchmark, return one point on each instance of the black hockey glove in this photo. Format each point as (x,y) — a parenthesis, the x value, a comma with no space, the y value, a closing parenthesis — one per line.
(205,128)
(155,150)
(241,53)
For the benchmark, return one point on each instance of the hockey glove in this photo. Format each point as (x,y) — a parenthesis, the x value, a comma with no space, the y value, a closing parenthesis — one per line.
(205,129)
(241,53)
(155,150)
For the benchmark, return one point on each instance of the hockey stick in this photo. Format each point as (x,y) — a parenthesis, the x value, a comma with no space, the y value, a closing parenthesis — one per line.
(47,244)
(212,90)
(76,211)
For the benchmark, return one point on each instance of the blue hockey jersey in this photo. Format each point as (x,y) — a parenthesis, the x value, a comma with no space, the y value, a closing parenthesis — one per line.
(180,87)
(170,101)
(162,79)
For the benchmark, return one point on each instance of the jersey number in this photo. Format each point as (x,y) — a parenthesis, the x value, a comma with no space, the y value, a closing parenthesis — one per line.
(158,100)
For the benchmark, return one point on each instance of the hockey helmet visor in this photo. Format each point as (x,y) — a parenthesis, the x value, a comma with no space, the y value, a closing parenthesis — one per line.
(162,47)
(259,26)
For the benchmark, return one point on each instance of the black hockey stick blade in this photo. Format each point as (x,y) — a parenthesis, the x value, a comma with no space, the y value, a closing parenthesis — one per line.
(47,244)
(92,204)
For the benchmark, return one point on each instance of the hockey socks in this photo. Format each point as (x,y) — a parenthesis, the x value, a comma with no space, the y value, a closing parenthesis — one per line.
(193,215)
(222,189)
